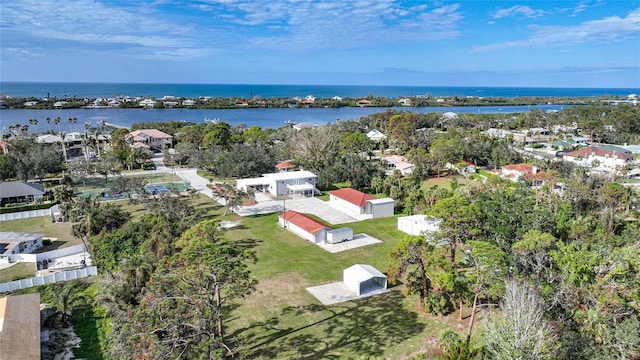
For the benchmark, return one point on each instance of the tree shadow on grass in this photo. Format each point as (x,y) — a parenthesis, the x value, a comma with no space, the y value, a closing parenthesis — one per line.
(365,327)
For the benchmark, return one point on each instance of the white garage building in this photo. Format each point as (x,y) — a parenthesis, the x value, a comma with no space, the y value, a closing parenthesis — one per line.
(313,230)
(418,224)
(363,279)
(358,203)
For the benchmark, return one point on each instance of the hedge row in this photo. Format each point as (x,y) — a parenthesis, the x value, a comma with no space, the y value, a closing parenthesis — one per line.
(12,209)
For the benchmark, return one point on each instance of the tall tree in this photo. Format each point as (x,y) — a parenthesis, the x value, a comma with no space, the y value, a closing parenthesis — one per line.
(520,332)
(184,313)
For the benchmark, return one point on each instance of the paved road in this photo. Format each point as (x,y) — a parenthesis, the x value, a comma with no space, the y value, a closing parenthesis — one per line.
(266,205)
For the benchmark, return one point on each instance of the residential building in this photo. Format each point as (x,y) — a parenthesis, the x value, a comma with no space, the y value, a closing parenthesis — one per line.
(148,103)
(12,244)
(397,162)
(288,183)
(404,102)
(20,192)
(376,135)
(188,102)
(598,159)
(517,172)
(152,138)
(20,327)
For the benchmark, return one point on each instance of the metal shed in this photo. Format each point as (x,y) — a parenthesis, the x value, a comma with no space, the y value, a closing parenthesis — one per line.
(362,278)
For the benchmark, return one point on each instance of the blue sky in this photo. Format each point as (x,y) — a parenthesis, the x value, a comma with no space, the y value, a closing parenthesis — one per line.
(357,42)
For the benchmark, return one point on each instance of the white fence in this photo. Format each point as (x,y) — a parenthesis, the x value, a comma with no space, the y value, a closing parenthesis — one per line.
(75,249)
(49,279)
(25,214)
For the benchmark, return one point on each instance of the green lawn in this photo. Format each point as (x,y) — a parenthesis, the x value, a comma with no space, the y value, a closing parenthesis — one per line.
(42,225)
(21,270)
(282,320)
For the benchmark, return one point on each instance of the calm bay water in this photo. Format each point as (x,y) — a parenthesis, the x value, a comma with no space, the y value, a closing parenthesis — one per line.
(266,118)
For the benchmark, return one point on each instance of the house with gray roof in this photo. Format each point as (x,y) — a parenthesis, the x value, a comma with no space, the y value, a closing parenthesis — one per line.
(20,192)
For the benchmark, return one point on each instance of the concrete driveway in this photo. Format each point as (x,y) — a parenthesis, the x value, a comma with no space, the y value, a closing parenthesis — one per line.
(313,206)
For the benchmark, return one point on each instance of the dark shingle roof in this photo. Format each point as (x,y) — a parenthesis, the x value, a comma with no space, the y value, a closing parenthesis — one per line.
(20,188)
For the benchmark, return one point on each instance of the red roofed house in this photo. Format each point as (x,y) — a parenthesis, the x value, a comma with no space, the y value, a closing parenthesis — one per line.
(154,139)
(597,158)
(303,226)
(518,171)
(285,166)
(359,203)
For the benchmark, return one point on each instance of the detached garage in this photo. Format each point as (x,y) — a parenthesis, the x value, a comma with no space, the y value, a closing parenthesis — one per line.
(358,203)
(304,226)
(363,279)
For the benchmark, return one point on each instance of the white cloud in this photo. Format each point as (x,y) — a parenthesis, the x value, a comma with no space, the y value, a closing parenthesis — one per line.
(90,24)
(518,10)
(608,29)
(308,24)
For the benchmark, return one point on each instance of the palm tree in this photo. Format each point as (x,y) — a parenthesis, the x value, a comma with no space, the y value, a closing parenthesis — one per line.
(64,147)
(137,270)
(56,121)
(64,298)
(48,120)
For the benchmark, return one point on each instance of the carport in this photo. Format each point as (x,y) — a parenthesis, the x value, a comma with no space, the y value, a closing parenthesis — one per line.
(362,279)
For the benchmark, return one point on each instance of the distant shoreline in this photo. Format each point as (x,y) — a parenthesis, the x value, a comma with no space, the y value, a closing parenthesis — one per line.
(61,90)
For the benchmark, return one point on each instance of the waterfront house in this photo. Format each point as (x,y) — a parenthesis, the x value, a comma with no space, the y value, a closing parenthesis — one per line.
(147,103)
(152,138)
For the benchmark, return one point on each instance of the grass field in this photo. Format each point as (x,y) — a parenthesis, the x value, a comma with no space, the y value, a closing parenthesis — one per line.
(18,271)
(281,319)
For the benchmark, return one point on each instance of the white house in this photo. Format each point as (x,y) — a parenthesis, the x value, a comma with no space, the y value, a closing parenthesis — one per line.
(363,279)
(599,159)
(376,135)
(498,133)
(282,183)
(12,244)
(152,138)
(147,103)
(303,226)
(397,162)
(188,102)
(404,102)
(358,203)
(60,104)
(418,224)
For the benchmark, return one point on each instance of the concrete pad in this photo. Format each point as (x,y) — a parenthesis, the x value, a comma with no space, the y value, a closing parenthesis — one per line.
(338,292)
(358,240)
(320,209)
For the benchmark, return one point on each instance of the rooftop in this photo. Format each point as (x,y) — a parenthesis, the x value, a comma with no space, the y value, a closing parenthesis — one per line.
(352,195)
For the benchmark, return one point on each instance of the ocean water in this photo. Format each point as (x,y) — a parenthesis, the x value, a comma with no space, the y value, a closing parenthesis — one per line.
(94,90)
(265,118)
